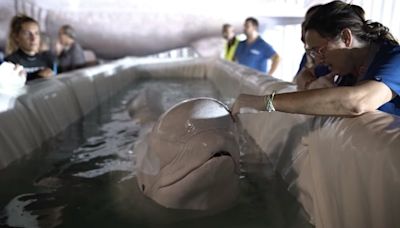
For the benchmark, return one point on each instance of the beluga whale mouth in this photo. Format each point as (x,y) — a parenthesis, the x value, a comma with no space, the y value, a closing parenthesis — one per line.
(220,154)
(189,158)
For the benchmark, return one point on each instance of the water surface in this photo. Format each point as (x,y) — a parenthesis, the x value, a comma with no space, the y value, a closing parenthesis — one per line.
(85,177)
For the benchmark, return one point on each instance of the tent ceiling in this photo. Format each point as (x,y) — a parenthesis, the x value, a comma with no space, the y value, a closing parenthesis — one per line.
(115,28)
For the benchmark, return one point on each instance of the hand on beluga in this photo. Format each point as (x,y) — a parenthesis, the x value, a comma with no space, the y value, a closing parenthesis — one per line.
(189,159)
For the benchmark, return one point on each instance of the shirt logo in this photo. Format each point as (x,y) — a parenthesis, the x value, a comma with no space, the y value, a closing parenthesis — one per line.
(255,52)
(32,69)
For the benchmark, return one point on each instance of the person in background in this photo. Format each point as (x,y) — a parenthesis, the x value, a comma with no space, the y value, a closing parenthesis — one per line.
(25,42)
(232,42)
(338,36)
(254,51)
(71,56)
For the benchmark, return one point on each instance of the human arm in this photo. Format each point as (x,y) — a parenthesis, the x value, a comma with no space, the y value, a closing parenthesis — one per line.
(45,73)
(338,101)
(327,81)
(311,76)
(304,78)
(275,59)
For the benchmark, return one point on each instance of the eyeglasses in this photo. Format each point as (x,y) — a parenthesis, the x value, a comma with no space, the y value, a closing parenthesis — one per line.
(316,51)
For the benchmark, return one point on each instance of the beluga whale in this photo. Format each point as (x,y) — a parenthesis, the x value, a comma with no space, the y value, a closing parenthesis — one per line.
(189,157)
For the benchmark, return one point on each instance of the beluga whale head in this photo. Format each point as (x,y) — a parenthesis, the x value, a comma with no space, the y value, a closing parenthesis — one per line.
(189,159)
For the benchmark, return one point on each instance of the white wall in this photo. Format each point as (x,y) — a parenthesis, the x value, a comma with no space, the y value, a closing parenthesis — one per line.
(286,41)
(385,12)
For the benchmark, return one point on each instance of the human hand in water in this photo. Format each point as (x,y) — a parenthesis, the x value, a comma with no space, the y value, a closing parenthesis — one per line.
(46,73)
(247,103)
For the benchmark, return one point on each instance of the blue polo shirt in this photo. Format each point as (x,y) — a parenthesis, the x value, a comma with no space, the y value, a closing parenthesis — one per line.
(385,68)
(254,55)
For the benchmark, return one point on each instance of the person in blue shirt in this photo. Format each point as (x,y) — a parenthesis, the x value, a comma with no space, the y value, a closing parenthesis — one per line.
(311,75)
(339,37)
(254,51)
(314,76)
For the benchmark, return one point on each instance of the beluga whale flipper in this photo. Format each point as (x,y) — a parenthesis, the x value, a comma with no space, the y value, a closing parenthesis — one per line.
(189,158)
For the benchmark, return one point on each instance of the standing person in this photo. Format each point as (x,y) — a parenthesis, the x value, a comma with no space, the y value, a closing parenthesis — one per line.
(232,42)
(71,56)
(25,40)
(254,51)
(339,37)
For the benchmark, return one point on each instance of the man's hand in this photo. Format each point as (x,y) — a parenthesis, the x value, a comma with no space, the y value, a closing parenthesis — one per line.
(46,73)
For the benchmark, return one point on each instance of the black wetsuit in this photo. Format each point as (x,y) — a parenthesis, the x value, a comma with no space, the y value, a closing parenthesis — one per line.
(32,64)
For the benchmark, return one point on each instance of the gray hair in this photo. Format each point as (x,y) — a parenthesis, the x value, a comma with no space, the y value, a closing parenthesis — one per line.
(69,31)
